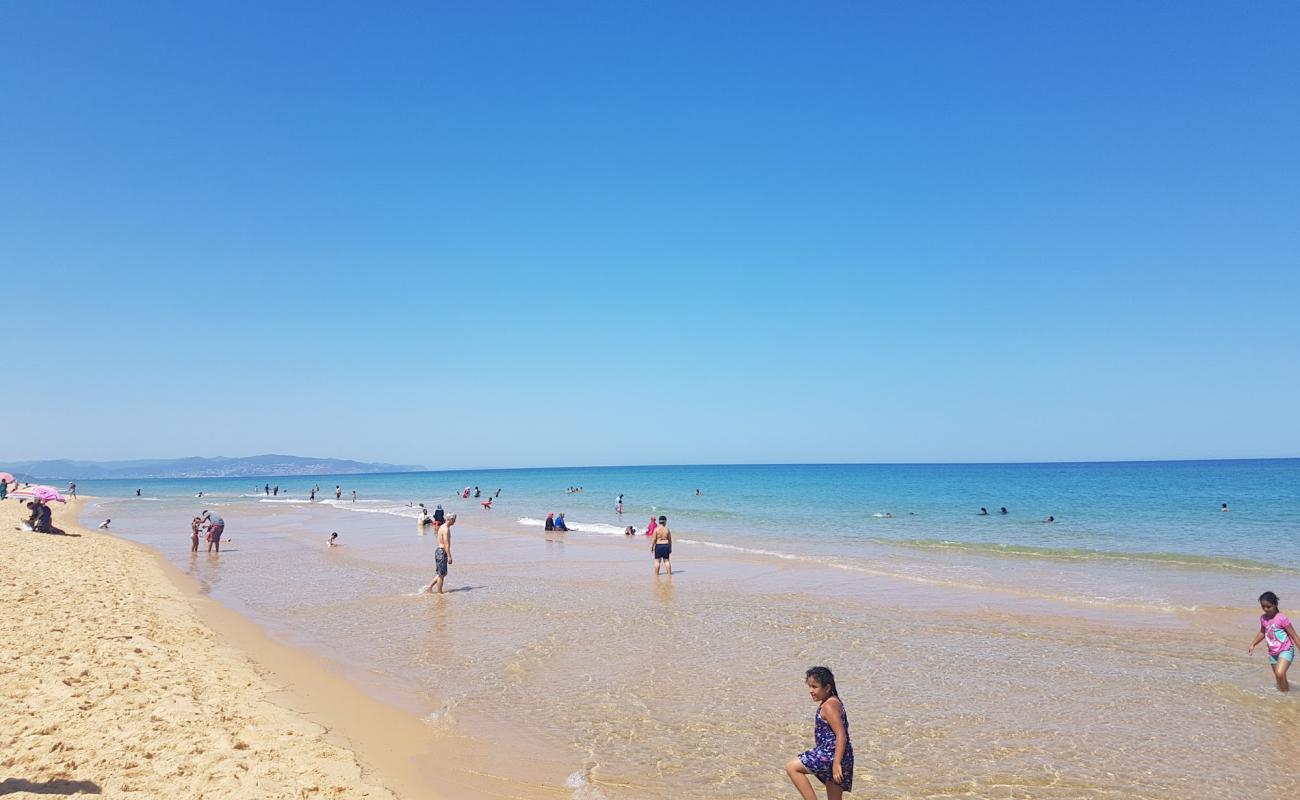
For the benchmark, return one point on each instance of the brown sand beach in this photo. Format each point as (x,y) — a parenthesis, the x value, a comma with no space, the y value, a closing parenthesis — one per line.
(119,680)
(112,685)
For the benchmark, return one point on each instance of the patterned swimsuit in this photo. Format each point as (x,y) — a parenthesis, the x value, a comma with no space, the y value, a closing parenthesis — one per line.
(820,760)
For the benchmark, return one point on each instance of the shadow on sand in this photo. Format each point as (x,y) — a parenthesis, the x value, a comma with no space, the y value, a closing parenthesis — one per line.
(57,786)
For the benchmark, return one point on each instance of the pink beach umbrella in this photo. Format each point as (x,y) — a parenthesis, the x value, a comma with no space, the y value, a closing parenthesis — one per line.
(6,477)
(43,493)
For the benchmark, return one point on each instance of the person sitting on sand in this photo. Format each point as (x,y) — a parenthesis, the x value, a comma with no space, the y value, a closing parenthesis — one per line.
(559,523)
(103,526)
(44,519)
(333,537)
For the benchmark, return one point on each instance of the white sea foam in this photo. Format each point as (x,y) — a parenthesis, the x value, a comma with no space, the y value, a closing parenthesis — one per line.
(601,528)
(580,783)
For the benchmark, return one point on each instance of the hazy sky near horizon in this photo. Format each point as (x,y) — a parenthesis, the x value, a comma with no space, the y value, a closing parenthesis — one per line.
(518,234)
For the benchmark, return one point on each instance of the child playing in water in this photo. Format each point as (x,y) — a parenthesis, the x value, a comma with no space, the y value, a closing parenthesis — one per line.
(1275,629)
(831,758)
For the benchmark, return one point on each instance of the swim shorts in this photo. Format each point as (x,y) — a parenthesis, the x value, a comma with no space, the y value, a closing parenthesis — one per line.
(663,550)
(1288,654)
(215,532)
(440,562)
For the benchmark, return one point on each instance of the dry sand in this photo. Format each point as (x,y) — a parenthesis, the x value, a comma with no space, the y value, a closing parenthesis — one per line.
(110,684)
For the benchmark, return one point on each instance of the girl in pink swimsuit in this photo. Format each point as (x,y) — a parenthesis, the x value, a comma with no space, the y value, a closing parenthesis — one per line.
(1275,630)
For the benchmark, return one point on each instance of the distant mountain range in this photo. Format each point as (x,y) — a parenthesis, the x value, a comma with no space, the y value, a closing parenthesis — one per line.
(220,467)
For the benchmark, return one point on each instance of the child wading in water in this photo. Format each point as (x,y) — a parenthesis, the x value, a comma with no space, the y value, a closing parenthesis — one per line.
(831,758)
(1276,630)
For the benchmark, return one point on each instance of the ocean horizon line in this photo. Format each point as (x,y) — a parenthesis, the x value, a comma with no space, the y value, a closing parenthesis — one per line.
(705,465)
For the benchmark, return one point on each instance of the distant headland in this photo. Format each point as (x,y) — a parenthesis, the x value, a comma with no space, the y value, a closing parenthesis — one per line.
(195,467)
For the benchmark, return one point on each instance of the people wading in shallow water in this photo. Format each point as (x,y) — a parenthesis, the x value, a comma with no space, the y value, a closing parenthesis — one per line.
(831,758)
(661,546)
(1275,630)
(442,555)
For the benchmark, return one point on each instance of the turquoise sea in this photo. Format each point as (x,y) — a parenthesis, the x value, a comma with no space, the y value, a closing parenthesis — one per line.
(1162,510)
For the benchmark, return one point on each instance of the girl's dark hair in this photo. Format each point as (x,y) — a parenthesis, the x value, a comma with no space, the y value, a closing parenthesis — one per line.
(823,676)
(1270,597)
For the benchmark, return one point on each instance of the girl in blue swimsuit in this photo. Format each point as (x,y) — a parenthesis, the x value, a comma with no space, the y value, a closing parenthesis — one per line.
(831,757)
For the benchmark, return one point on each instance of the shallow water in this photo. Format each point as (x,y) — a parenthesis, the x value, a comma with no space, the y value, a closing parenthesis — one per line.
(977,657)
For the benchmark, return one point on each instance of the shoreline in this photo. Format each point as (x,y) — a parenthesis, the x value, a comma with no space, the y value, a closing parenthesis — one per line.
(150,688)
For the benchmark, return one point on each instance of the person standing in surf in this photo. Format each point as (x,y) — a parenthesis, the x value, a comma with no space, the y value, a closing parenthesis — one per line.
(661,545)
(831,758)
(1275,630)
(442,554)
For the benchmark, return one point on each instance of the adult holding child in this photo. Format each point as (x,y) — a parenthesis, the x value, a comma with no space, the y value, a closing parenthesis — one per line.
(216,527)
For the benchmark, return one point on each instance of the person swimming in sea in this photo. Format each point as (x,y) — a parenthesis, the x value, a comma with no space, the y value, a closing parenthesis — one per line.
(1004,510)
(1224,507)
(984,512)
(1050,518)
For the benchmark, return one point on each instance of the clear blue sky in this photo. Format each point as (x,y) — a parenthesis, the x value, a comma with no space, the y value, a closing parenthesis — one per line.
(503,234)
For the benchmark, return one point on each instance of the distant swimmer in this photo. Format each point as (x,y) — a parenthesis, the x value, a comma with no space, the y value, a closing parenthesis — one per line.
(137,492)
(498,494)
(338,492)
(487,504)
(333,537)
(354,495)
(312,495)
(103,526)
(1223,507)
(477,495)
(1004,510)
(984,512)
(697,492)
(1050,519)
(267,489)
(889,515)
(275,491)
(200,494)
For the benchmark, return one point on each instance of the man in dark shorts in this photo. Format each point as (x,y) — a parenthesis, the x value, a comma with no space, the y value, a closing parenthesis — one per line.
(661,545)
(442,555)
(216,526)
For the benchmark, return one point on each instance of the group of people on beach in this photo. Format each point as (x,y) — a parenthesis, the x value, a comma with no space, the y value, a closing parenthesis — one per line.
(211,526)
